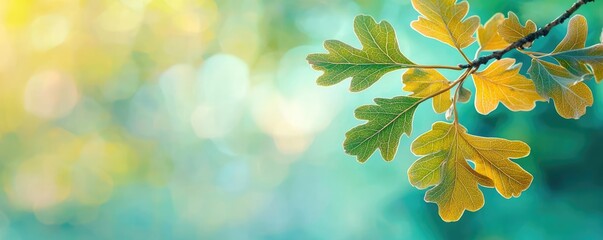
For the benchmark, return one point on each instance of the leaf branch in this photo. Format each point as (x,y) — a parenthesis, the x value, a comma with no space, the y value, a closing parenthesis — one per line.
(464,55)
(437,67)
(533,54)
(527,39)
(456,92)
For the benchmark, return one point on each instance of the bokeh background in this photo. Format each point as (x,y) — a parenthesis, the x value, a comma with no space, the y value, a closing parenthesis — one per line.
(200,119)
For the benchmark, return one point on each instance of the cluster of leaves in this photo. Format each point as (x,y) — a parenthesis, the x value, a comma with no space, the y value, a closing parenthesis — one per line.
(446,149)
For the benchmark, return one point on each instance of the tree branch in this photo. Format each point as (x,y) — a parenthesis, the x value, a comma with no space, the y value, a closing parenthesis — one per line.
(527,39)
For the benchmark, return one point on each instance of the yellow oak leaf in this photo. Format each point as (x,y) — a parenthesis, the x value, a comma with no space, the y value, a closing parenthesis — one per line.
(443,20)
(575,38)
(511,29)
(572,54)
(446,148)
(424,82)
(577,31)
(502,82)
(570,95)
(488,37)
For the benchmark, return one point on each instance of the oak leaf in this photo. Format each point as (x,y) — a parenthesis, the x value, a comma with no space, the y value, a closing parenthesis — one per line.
(592,56)
(502,82)
(443,20)
(570,95)
(488,37)
(446,148)
(511,29)
(380,54)
(575,38)
(387,121)
(425,82)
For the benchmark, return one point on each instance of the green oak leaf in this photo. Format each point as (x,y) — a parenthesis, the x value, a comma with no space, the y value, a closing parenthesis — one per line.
(570,95)
(592,56)
(380,54)
(387,121)
(577,32)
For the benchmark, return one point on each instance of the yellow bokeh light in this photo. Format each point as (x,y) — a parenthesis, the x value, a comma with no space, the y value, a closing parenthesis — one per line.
(50,95)
(49,31)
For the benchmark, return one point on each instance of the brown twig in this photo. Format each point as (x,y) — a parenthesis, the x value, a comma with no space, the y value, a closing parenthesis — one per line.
(527,39)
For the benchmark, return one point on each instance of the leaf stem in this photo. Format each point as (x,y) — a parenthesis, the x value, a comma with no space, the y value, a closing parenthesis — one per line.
(437,67)
(533,54)
(460,80)
(479,50)
(464,55)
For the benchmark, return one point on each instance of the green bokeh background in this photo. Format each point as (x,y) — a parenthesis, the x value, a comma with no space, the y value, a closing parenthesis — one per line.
(200,119)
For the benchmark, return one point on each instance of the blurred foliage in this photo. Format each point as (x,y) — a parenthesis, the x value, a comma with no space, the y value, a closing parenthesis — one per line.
(188,119)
